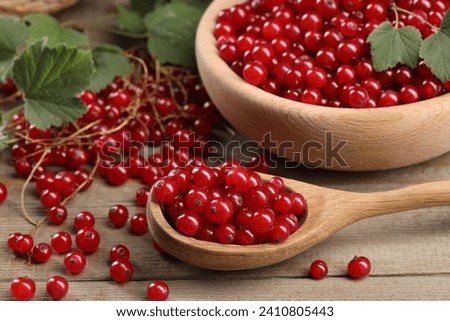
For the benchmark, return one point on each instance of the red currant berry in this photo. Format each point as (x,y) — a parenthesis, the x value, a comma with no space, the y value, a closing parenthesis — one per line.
(255,73)
(24,243)
(50,199)
(83,219)
(118,215)
(157,291)
(61,242)
(359,267)
(57,287)
(23,288)
(142,196)
(138,224)
(119,252)
(87,239)
(318,270)
(75,262)
(165,190)
(42,252)
(12,240)
(121,271)
(3,193)
(57,214)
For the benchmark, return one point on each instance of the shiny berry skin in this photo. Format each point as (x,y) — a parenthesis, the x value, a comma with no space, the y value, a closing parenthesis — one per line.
(50,199)
(255,73)
(119,99)
(57,287)
(83,219)
(87,239)
(358,97)
(61,242)
(157,291)
(119,252)
(75,262)
(42,252)
(23,288)
(138,224)
(359,267)
(225,233)
(237,179)
(165,190)
(220,210)
(142,196)
(3,193)
(117,175)
(24,243)
(262,221)
(121,271)
(318,269)
(388,98)
(57,214)
(188,223)
(118,215)
(12,238)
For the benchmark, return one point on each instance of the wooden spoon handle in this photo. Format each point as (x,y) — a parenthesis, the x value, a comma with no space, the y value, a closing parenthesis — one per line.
(413,197)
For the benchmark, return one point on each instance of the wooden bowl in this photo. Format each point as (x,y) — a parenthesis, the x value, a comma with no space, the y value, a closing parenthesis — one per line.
(375,139)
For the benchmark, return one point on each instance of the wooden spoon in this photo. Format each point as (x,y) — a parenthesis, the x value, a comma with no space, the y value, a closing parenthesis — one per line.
(329,211)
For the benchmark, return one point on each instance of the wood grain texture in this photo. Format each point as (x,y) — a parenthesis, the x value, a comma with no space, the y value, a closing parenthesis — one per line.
(377,138)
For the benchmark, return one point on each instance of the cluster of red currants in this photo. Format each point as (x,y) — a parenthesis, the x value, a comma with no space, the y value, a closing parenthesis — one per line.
(229,204)
(316,51)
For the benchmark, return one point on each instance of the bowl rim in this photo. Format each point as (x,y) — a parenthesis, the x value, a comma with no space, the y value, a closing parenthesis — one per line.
(205,44)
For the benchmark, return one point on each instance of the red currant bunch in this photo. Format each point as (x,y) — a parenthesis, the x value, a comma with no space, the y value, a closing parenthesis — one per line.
(316,51)
(230,204)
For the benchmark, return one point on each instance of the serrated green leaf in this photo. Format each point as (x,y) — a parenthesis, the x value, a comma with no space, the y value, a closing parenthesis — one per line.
(45,26)
(109,62)
(391,46)
(130,20)
(201,4)
(12,37)
(435,51)
(51,80)
(171,30)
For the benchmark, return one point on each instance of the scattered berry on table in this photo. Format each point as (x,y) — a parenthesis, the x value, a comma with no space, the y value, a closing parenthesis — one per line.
(23,288)
(157,291)
(318,269)
(57,287)
(359,267)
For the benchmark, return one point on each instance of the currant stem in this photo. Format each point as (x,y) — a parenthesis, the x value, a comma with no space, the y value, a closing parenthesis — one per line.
(22,194)
(395,8)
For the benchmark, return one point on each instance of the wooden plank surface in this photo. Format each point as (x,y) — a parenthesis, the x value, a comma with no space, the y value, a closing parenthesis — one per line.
(410,252)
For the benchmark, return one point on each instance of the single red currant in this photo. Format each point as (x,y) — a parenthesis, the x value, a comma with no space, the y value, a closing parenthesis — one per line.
(83,219)
(121,271)
(138,224)
(118,215)
(318,270)
(23,288)
(75,262)
(57,287)
(42,252)
(119,252)
(3,193)
(61,242)
(157,291)
(87,239)
(57,214)
(359,267)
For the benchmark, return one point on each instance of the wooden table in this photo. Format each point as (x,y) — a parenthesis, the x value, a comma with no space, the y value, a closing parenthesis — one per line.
(410,252)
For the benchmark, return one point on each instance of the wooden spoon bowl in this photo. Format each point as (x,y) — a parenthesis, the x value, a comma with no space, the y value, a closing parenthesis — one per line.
(375,139)
(329,211)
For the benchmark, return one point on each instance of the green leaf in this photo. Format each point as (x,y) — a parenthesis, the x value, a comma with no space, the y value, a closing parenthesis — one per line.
(130,20)
(45,26)
(171,30)
(12,37)
(201,4)
(145,6)
(391,46)
(51,80)
(435,51)
(109,62)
